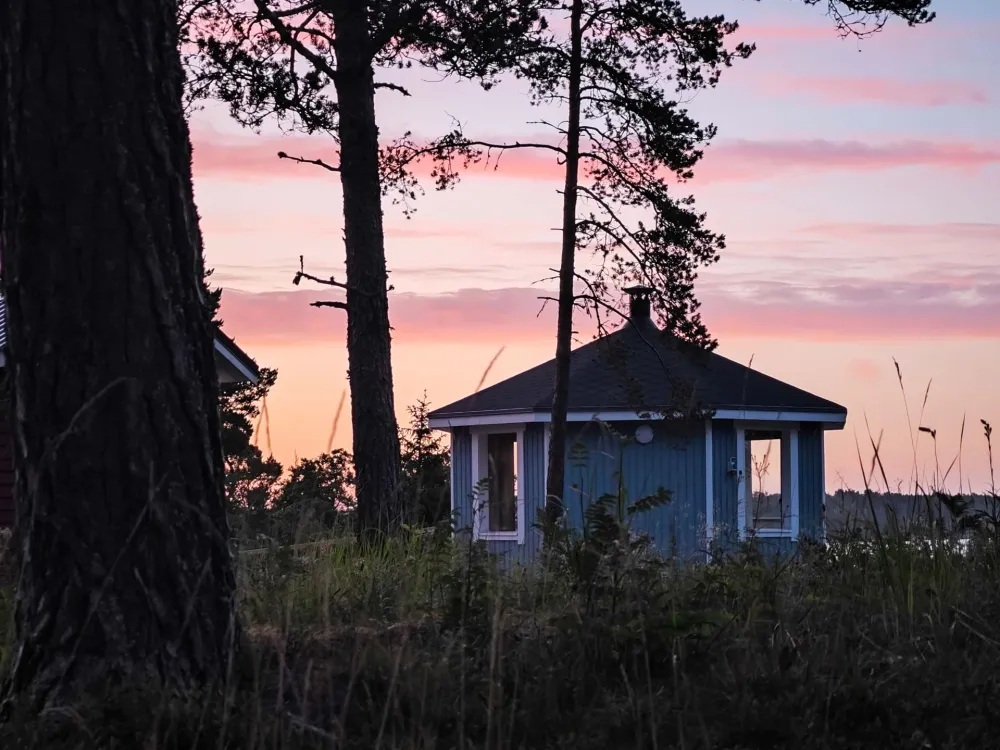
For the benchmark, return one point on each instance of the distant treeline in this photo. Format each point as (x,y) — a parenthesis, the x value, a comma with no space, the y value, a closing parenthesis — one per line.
(851,507)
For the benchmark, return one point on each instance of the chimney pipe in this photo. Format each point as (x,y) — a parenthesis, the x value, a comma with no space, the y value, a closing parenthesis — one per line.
(639,310)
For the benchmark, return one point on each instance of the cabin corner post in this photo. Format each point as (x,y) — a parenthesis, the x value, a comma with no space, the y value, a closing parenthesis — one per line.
(795,499)
(741,483)
(451,472)
(521,486)
(475,496)
(709,489)
(822,484)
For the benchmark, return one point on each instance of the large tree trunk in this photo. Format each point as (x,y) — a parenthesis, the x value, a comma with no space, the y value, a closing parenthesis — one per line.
(564,325)
(126,571)
(373,415)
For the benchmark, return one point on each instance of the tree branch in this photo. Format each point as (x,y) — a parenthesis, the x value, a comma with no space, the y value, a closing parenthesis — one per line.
(595,14)
(619,241)
(185,18)
(392,87)
(317,162)
(594,298)
(329,303)
(498,146)
(292,41)
(445,145)
(597,301)
(301,274)
(613,215)
(304,29)
(295,11)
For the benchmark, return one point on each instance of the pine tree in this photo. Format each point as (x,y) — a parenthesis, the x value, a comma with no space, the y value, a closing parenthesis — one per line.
(426,469)
(281,59)
(126,571)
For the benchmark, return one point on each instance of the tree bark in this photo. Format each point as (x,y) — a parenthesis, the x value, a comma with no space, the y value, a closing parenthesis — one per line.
(564,325)
(126,572)
(373,415)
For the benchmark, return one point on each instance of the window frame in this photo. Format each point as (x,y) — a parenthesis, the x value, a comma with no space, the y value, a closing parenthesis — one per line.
(789,449)
(480,467)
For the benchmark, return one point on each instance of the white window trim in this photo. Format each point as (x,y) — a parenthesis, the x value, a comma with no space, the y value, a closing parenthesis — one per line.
(480,518)
(741,500)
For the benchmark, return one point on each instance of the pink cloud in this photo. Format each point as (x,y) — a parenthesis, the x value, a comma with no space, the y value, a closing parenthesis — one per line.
(255,157)
(329,224)
(950,231)
(749,32)
(465,315)
(754,160)
(894,32)
(967,307)
(899,92)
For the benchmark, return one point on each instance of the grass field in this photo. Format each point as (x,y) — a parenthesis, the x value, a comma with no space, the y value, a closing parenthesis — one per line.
(425,643)
(886,637)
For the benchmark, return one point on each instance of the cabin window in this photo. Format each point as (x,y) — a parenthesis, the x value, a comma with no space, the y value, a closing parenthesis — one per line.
(498,453)
(769,496)
(501,451)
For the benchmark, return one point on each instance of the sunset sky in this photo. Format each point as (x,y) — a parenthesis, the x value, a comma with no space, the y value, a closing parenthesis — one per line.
(857,183)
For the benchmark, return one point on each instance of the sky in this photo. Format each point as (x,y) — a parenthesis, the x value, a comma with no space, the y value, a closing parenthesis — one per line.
(857,184)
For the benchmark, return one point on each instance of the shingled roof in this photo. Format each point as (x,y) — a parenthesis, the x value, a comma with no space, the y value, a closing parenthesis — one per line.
(640,368)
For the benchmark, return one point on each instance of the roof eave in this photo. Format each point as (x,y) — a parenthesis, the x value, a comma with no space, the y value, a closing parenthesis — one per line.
(242,361)
(441,420)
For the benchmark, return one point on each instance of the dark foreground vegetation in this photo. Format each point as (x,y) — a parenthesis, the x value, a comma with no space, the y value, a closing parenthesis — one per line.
(426,643)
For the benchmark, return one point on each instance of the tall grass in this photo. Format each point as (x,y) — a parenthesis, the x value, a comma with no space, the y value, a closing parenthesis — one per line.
(886,636)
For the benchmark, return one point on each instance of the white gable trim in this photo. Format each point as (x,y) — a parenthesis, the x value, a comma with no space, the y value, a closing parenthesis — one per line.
(834,421)
(234,361)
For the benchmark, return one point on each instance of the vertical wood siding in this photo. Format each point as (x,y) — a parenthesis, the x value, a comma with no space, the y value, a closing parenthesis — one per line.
(598,463)
(811,491)
(461,488)
(725,484)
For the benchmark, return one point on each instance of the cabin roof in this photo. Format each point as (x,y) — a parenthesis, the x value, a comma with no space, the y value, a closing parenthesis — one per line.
(640,368)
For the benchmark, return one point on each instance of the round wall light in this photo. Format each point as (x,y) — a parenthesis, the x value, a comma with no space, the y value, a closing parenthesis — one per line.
(644,434)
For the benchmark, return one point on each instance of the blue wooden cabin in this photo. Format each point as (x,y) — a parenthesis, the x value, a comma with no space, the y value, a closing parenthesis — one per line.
(646,411)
